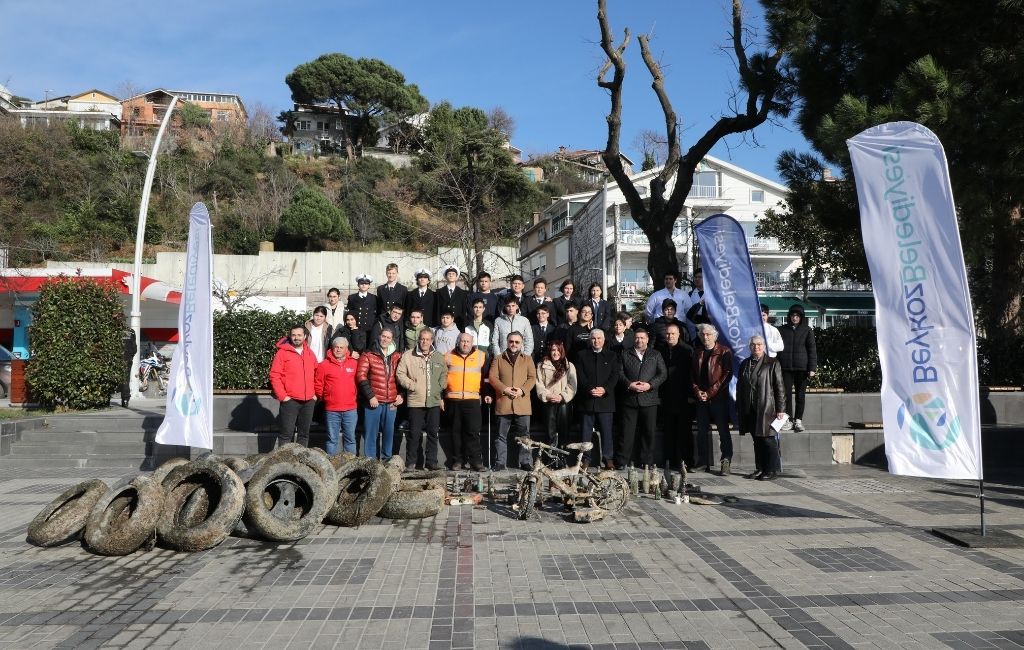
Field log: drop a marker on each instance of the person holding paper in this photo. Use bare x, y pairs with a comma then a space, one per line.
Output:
760, 402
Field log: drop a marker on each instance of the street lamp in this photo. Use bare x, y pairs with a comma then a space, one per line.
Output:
140, 236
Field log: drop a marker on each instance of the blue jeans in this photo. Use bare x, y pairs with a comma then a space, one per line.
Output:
380, 419
344, 421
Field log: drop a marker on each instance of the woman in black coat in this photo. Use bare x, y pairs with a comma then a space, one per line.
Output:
602, 310
356, 337
799, 359
760, 397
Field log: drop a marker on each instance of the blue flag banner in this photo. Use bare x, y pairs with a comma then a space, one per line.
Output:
730, 292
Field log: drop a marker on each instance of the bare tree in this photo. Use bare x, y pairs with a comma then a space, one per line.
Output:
128, 88
653, 146
232, 295
767, 92
499, 120
262, 125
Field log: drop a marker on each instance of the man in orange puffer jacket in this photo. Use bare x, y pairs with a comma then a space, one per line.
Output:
292, 380
335, 385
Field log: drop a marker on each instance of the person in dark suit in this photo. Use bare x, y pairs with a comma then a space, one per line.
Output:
676, 398
543, 333
451, 297
391, 292
483, 292
597, 374
421, 297
668, 317
567, 298
621, 336
539, 297
363, 304
602, 310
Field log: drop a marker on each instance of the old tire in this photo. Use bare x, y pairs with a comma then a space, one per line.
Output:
419, 485
205, 500
413, 505
160, 473
425, 474
236, 464
284, 501
341, 458
318, 462
64, 518
125, 517
364, 486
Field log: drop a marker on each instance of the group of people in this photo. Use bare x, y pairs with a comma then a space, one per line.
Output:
421, 356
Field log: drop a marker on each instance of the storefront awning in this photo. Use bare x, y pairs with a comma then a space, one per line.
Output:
856, 304
31, 281
781, 304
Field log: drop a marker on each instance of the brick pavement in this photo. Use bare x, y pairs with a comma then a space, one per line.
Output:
838, 559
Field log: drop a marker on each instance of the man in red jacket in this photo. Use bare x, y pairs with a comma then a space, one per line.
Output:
335, 385
292, 380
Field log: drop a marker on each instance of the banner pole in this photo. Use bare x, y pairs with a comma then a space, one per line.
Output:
981, 500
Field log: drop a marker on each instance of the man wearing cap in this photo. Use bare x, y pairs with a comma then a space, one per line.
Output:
363, 304
421, 297
451, 297
391, 292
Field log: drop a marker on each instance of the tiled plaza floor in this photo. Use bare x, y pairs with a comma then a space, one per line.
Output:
839, 559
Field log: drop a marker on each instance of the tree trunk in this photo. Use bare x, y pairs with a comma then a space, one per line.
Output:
1003, 315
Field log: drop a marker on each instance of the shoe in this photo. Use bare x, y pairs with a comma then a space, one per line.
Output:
478, 467
410, 468
498, 467
768, 476
609, 464
435, 467
788, 426
798, 426
726, 467
754, 474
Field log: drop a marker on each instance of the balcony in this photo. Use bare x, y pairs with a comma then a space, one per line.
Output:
705, 192
782, 281
638, 238
758, 244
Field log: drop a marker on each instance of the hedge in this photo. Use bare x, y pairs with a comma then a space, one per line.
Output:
77, 344
244, 343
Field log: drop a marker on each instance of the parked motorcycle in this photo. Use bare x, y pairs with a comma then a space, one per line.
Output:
154, 368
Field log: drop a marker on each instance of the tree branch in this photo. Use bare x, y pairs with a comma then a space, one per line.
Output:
671, 119
611, 154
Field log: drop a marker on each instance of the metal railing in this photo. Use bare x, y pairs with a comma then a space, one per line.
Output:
705, 192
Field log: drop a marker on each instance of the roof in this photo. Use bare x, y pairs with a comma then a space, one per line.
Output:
182, 92
94, 90
579, 153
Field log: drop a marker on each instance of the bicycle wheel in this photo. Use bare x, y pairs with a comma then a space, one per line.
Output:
527, 496
611, 492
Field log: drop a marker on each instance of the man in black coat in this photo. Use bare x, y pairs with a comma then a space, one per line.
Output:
539, 297
799, 359
676, 401
391, 292
668, 317
391, 320
597, 373
363, 304
567, 298
451, 298
643, 372
421, 297
483, 292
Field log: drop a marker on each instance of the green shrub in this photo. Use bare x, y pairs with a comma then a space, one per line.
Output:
244, 343
848, 359
77, 350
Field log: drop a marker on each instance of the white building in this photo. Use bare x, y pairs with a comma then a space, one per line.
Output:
719, 187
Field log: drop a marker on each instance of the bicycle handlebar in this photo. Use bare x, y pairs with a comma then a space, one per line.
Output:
528, 442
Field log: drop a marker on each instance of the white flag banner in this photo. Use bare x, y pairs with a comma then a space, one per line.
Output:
189, 417
926, 338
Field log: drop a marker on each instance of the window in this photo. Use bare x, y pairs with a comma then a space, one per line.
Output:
757, 196
705, 185
562, 253
338, 125
323, 126
222, 116
303, 125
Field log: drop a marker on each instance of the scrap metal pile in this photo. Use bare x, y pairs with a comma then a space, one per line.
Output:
281, 496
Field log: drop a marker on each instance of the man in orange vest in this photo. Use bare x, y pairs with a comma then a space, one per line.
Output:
462, 402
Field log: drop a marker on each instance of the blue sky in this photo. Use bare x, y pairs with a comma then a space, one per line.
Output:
535, 59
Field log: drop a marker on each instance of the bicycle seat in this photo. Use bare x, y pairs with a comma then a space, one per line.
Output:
580, 446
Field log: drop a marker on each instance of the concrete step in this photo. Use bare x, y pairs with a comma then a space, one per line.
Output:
134, 461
